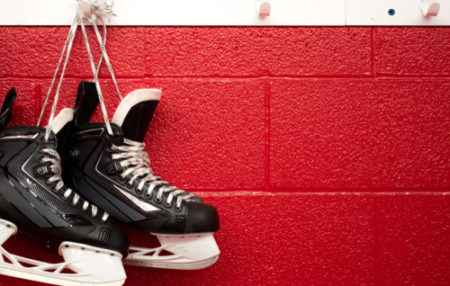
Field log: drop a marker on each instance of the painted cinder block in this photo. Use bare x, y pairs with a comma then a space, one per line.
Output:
339, 133
412, 52
33, 52
257, 51
28, 92
413, 239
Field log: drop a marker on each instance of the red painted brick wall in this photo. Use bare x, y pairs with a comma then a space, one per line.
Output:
326, 150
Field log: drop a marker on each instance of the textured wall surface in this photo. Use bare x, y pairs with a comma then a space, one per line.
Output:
326, 150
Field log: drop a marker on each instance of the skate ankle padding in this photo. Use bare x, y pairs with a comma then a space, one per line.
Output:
135, 112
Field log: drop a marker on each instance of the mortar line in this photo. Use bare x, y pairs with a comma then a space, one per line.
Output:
406, 76
267, 95
324, 194
376, 247
326, 189
275, 77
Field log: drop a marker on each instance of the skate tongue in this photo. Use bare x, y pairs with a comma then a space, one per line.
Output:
135, 112
87, 101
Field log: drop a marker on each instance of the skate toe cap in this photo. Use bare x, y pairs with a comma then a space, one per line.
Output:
201, 218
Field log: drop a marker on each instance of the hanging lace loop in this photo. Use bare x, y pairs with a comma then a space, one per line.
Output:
97, 84
101, 8
104, 54
95, 11
98, 7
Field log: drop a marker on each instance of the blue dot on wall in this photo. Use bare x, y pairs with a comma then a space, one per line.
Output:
391, 12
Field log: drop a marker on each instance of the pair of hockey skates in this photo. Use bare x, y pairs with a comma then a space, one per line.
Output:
111, 170
105, 164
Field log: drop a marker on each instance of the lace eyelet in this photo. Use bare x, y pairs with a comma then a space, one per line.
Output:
139, 192
178, 209
168, 205
129, 185
158, 200
148, 196
39, 171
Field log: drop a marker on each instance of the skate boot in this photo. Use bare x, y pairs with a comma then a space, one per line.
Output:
34, 199
114, 172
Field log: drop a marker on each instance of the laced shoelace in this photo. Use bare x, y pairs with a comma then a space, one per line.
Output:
99, 9
51, 156
134, 161
51, 164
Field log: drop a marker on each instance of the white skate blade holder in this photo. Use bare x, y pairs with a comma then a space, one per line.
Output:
83, 264
189, 252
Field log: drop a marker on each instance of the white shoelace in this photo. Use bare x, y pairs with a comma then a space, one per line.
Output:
99, 8
131, 156
133, 160
52, 158
93, 19
97, 84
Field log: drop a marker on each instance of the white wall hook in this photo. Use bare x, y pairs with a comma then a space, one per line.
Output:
430, 8
263, 8
100, 8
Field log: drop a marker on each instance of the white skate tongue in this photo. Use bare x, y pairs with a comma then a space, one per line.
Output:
63, 117
135, 112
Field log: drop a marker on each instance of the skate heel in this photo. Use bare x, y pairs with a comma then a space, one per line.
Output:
83, 264
189, 251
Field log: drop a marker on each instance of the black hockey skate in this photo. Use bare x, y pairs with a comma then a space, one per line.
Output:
34, 198
114, 172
